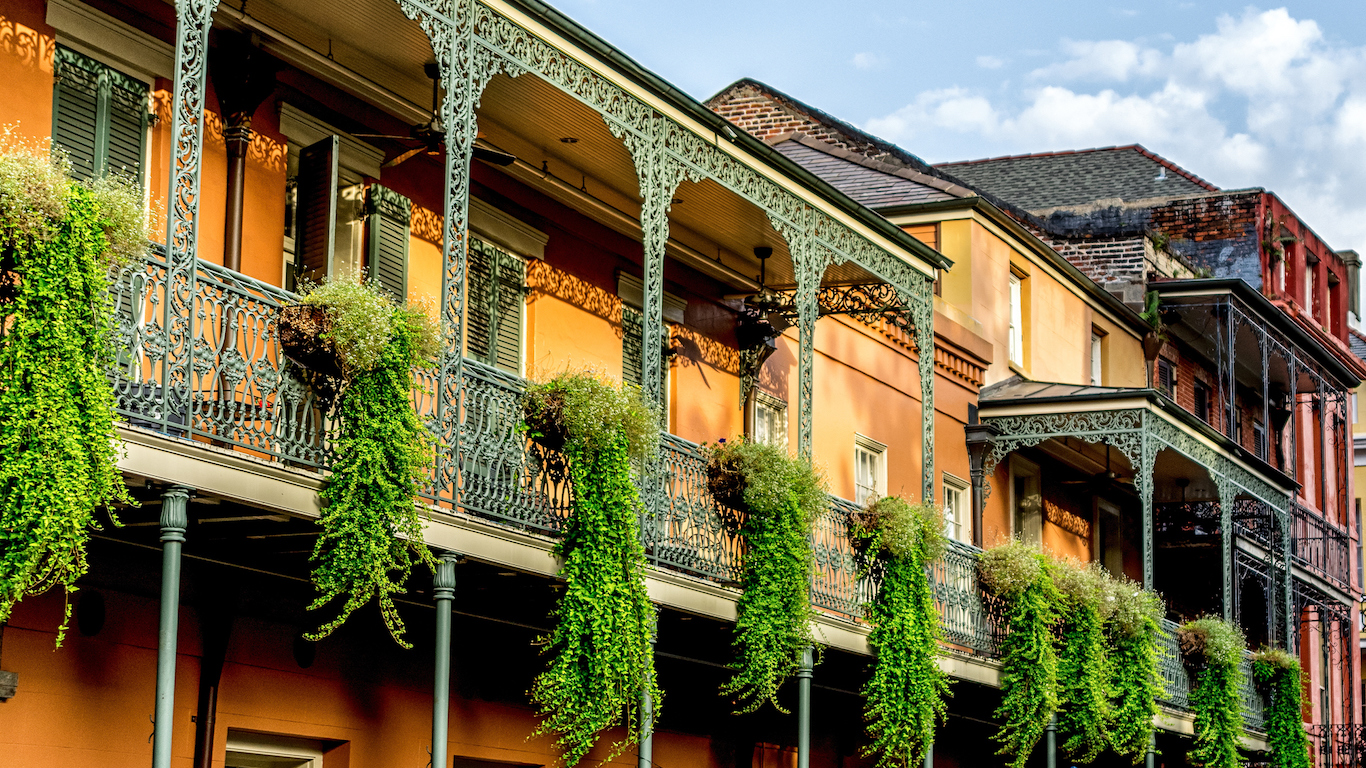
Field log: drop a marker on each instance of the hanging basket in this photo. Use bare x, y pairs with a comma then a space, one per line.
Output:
864, 527
545, 421
303, 331
727, 484
1193, 643
10, 279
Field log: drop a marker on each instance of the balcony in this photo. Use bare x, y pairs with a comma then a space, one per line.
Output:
238, 393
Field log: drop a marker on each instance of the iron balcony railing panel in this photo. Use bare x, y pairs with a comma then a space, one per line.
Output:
1175, 678
1337, 746
1321, 547
967, 615
138, 299
689, 535
837, 587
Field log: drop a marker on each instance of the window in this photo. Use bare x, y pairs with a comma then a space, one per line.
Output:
1166, 377
1259, 446
99, 116
1202, 401
1309, 268
1026, 502
769, 424
870, 470
957, 517
256, 750
1110, 537
1096, 361
1016, 321
495, 300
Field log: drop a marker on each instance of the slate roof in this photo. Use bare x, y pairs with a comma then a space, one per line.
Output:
874, 184
1019, 388
1054, 179
1357, 343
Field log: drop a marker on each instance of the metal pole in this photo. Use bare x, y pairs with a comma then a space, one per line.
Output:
1150, 758
929, 755
443, 589
804, 667
174, 518
1051, 741
646, 754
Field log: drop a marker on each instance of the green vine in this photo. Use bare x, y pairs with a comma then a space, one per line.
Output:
601, 659
783, 496
906, 693
1217, 695
1021, 576
59, 240
1280, 673
1084, 710
1136, 681
371, 528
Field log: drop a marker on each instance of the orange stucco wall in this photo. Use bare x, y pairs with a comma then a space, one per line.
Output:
26, 47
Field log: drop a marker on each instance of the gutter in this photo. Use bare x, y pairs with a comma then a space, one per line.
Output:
988, 209
721, 127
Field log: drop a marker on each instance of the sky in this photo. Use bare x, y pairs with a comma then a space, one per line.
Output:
1269, 96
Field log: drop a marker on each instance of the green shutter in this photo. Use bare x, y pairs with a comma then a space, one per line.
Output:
632, 353
316, 209
495, 290
387, 229
511, 302
479, 266
99, 116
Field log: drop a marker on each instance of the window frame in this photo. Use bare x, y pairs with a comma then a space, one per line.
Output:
1201, 390
764, 400
1097, 357
877, 453
1015, 324
1024, 468
961, 520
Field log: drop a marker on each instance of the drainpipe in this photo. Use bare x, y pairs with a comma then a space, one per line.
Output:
174, 518
804, 667
215, 627
979, 439
443, 589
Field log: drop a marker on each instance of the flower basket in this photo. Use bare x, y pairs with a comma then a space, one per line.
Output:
545, 423
304, 332
727, 484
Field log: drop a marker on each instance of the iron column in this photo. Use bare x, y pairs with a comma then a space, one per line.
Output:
646, 753
1051, 741
443, 589
804, 666
174, 518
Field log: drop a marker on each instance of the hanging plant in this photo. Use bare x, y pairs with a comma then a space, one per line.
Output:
59, 241
600, 655
1021, 577
371, 528
895, 541
781, 498
1136, 683
1279, 672
1216, 649
1084, 712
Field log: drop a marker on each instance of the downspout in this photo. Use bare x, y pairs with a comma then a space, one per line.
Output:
215, 629
243, 78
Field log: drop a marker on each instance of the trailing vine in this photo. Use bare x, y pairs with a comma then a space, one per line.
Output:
1286, 740
1216, 699
1022, 577
600, 654
1084, 710
59, 241
782, 497
1136, 681
895, 541
371, 528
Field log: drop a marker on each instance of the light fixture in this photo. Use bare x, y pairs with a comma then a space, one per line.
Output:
507, 573
676, 200
568, 140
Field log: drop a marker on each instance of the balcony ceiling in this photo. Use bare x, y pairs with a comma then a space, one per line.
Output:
528, 117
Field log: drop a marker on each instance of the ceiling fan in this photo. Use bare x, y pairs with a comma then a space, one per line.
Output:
768, 305
1102, 479
430, 138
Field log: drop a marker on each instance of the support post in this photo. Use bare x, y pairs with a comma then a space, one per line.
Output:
929, 756
805, 665
1150, 757
979, 439
174, 518
443, 591
1144, 481
1051, 742
1227, 493
646, 754
920, 301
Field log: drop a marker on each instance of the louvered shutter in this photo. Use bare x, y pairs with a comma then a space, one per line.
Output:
632, 353
479, 293
511, 301
99, 116
387, 230
316, 208
76, 110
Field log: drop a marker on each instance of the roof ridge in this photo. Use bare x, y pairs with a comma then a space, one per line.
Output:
888, 169
1139, 148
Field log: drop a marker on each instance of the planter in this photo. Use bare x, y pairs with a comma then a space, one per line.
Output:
727, 485
302, 330
545, 426
1193, 644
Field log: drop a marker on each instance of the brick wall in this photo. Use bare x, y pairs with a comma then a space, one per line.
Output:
767, 116
1217, 233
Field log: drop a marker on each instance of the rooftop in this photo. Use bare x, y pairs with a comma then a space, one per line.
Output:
873, 183
1053, 179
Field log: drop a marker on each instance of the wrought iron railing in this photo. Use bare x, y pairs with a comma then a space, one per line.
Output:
1321, 547
242, 394
1177, 678
1337, 746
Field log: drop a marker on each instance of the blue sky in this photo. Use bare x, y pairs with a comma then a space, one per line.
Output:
1242, 95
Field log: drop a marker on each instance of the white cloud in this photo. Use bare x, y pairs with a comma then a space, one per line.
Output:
990, 62
866, 60
1264, 100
